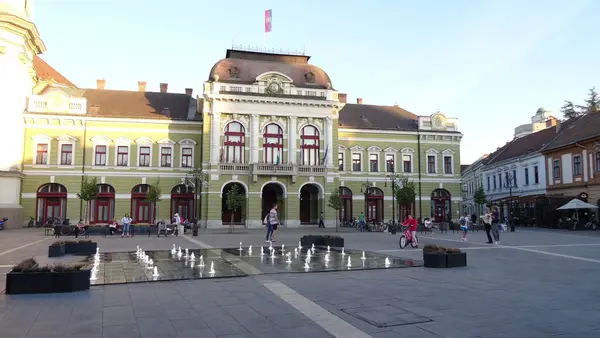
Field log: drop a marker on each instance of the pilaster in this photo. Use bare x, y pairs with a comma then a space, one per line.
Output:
215, 137
292, 131
329, 136
254, 135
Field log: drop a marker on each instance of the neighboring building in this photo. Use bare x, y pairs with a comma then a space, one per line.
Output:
472, 179
572, 161
514, 175
271, 124
541, 120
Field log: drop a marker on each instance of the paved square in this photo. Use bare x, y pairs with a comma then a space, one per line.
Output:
386, 315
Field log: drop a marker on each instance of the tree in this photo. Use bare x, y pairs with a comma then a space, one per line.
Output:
154, 196
87, 194
592, 103
569, 110
196, 179
480, 199
234, 200
335, 202
405, 194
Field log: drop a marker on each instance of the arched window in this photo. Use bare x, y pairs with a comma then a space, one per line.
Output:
309, 146
272, 144
235, 138
51, 202
182, 201
103, 206
141, 208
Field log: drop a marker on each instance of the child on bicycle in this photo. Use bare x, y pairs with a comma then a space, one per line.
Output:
411, 223
464, 226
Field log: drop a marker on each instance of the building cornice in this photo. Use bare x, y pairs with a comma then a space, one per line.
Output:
27, 29
110, 119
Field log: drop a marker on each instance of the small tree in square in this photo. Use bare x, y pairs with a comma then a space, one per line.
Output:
234, 200
479, 199
405, 194
335, 202
87, 194
154, 197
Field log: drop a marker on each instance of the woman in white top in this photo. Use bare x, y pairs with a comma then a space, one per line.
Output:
177, 220
126, 221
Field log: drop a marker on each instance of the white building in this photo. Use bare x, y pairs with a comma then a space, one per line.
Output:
541, 120
472, 178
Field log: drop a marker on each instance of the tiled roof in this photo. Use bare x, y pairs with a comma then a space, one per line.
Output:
365, 116
135, 104
576, 130
45, 72
524, 145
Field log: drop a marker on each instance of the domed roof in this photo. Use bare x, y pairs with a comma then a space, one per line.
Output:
245, 67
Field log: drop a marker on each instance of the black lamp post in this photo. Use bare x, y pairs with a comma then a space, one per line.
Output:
510, 182
393, 177
365, 188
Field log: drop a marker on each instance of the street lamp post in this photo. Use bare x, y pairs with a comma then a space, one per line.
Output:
510, 180
365, 188
393, 177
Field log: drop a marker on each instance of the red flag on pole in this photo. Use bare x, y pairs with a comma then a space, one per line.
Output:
268, 19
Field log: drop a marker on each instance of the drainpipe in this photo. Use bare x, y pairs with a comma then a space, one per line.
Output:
419, 168
83, 165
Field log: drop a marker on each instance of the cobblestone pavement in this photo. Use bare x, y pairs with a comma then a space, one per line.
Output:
536, 283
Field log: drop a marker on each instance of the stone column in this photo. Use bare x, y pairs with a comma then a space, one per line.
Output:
329, 136
215, 138
292, 140
254, 135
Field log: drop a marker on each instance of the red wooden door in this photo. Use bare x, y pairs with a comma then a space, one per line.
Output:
439, 211
51, 208
143, 212
102, 211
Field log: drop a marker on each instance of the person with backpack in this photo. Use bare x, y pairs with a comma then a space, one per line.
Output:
464, 226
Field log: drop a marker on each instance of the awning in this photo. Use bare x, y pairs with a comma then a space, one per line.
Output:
529, 198
506, 199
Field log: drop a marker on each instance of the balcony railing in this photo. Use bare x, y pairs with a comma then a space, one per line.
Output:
273, 169
41, 104
234, 167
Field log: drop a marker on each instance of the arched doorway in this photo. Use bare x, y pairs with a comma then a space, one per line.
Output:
102, 209
374, 201
346, 210
441, 206
182, 201
272, 193
309, 204
141, 208
238, 215
51, 202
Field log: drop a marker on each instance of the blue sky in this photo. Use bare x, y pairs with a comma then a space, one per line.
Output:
490, 63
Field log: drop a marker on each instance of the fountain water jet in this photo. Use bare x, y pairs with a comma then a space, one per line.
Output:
349, 262
363, 256
387, 262
201, 264
262, 251
212, 268
155, 274
328, 249
289, 258
343, 253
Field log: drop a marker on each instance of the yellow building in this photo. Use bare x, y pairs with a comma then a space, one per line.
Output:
271, 124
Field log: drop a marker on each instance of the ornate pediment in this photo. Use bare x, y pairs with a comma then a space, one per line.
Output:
123, 141
357, 148
407, 150
57, 101
66, 138
438, 120
227, 118
448, 152
144, 140
374, 148
187, 141
166, 141
431, 151
100, 139
390, 150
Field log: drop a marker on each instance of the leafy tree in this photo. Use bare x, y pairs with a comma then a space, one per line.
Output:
569, 110
196, 178
234, 200
592, 103
154, 196
335, 202
87, 194
480, 199
405, 193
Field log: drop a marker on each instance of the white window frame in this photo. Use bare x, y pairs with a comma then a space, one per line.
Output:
434, 153
394, 153
100, 141
410, 152
144, 142
63, 140
123, 142
166, 143
41, 139
357, 150
187, 143
374, 150
448, 153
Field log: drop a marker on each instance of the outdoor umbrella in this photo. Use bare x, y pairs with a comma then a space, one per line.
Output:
576, 204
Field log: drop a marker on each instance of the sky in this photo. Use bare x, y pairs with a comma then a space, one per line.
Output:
491, 64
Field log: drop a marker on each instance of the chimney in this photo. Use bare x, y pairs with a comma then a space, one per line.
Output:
558, 126
100, 83
163, 87
342, 97
551, 122
396, 104
359, 100
189, 91
141, 86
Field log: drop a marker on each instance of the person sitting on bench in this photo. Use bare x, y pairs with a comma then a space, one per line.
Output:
113, 226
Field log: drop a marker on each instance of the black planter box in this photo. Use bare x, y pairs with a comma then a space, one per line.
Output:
47, 282
84, 249
71, 248
456, 260
434, 260
332, 241
56, 250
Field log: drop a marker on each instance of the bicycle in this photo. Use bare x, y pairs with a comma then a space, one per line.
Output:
407, 238
591, 225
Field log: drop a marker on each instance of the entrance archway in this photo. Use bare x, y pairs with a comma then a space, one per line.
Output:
374, 201
141, 208
441, 206
102, 209
272, 193
51, 202
182, 201
309, 204
346, 210
239, 216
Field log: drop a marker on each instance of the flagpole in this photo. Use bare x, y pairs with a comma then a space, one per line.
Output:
265, 41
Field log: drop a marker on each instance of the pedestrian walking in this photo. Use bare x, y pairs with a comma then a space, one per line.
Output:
321, 223
496, 225
487, 224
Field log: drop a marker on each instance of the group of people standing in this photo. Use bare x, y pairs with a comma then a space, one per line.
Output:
491, 223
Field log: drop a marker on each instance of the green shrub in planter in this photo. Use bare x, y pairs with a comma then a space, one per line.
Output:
28, 277
435, 256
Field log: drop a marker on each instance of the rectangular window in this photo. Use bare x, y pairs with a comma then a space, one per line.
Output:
41, 155
311, 93
389, 163
235, 89
186, 157
341, 161
598, 161
577, 165
407, 163
447, 164
556, 169
495, 182
514, 178
488, 183
144, 157
431, 164
536, 175
356, 165
500, 181
66, 154
166, 153
526, 176
122, 156
373, 163
100, 155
